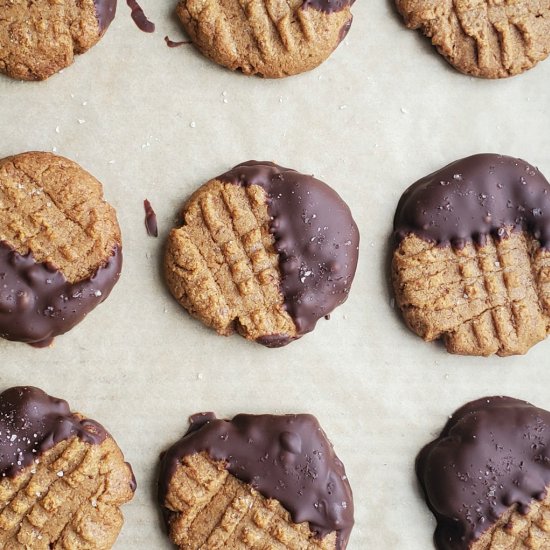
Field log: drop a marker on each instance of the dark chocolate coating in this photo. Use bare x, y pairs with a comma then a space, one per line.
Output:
287, 458
37, 303
32, 422
150, 220
474, 197
105, 11
327, 6
315, 237
139, 17
492, 454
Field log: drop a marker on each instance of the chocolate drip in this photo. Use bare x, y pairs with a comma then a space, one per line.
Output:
139, 17
150, 219
172, 44
287, 458
328, 6
475, 197
492, 454
105, 12
315, 237
32, 422
37, 303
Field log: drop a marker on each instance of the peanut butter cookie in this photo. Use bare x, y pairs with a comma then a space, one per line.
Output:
264, 250
486, 477
255, 482
485, 38
39, 38
63, 476
60, 246
272, 38
471, 260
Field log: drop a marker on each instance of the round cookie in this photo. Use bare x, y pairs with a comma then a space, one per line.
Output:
256, 481
471, 260
264, 250
40, 38
60, 246
486, 477
271, 39
484, 38
63, 477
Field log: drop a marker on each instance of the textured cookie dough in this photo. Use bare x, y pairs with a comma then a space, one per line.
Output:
40, 38
273, 38
263, 250
485, 38
486, 477
259, 485
63, 476
60, 246
471, 263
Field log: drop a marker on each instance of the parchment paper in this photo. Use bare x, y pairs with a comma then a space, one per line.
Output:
382, 112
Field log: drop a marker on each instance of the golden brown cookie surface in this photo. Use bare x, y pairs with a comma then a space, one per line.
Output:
265, 482
471, 263
39, 38
484, 38
60, 246
271, 38
486, 477
63, 476
263, 250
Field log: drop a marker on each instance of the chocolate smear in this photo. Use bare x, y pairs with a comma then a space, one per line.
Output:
492, 454
287, 458
172, 44
105, 12
473, 198
32, 422
139, 17
150, 220
315, 236
37, 303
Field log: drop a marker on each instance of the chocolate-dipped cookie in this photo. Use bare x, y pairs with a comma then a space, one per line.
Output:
264, 250
60, 246
260, 481
484, 38
63, 477
270, 39
486, 477
471, 260
39, 38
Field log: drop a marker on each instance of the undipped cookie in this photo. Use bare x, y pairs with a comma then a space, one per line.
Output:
271, 38
486, 477
60, 247
63, 477
260, 481
264, 250
471, 260
39, 38
485, 38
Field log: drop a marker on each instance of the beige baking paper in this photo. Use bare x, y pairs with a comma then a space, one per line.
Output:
153, 122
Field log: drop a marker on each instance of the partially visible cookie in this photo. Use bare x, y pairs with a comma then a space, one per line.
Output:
39, 38
63, 477
484, 38
255, 482
272, 38
471, 260
264, 250
486, 477
60, 246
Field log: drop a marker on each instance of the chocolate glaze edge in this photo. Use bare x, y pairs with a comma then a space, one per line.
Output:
316, 239
105, 12
474, 197
264, 451
327, 6
33, 422
493, 453
37, 303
